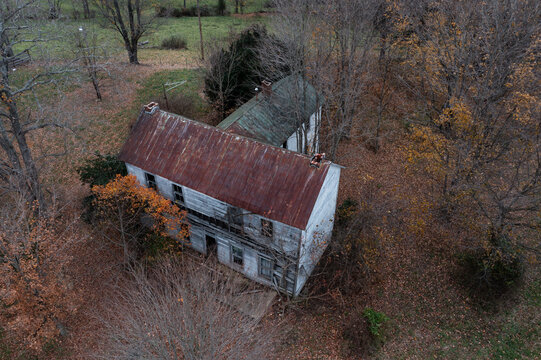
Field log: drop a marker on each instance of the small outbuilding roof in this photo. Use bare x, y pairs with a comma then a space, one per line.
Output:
273, 117
273, 182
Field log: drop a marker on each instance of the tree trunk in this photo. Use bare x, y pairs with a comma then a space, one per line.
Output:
236, 6
132, 53
29, 175
95, 82
200, 31
86, 9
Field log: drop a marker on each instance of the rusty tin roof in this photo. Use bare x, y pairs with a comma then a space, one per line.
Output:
273, 182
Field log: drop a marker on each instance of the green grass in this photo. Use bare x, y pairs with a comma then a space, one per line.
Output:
61, 32
152, 87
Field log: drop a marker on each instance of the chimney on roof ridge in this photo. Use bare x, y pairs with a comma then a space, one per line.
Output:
317, 159
151, 108
266, 87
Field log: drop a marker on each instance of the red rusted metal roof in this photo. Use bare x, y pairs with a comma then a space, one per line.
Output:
270, 181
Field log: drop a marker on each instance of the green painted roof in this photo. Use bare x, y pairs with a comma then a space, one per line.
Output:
273, 118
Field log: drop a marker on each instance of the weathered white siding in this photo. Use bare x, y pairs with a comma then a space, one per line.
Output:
311, 134
284, 242
319, 230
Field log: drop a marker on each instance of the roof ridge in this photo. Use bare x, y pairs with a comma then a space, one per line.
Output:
235, 135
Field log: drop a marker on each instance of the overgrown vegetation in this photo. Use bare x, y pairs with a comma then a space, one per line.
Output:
233, 74
494, 269
174, 42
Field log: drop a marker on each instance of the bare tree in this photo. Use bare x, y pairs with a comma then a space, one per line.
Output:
329, 44
220, 70
92, 55
183, 311
86, 9
54, 9
18, 167
473, 65
130, 19
200, 31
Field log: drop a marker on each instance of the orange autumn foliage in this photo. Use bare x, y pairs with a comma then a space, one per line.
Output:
127, 211
36, 292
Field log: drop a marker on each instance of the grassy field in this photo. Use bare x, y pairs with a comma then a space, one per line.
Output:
215, 28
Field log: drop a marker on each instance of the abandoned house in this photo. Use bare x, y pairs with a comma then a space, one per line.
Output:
285, 114
262, 210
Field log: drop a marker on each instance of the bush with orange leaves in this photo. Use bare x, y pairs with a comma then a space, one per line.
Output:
36, 289
135, 218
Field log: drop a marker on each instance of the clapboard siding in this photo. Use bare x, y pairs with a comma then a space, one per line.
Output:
285, 238
318, 233
289, 247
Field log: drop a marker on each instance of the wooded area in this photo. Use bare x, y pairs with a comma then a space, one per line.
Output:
432, 106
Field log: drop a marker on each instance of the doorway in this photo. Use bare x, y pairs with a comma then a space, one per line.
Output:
212, 246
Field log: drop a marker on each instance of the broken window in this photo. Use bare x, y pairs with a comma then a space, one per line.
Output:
265, 268
266, 228
151, 181
235, 217
285, 281
178, 195
237, 255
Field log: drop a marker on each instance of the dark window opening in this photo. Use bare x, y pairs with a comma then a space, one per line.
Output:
151, 181
235, 217
266, 228
284, 145
212, 245
237, 255
178, 195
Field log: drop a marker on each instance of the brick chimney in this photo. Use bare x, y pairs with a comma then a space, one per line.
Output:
266, 87
151, 107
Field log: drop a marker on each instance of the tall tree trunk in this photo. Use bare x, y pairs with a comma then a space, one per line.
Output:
29, 174
236, 6
200, 31
132, 54
86, 9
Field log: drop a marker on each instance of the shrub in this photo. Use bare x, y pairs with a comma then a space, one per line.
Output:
174, 42
269, 4
176, 12
98, 170
364, 332
346, 210
375, 321
221, 7
492, 269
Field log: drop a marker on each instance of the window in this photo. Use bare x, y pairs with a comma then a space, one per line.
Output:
151, 181
266, 228
284, 145
265, 268
284, 281
235, 217
178, 196
237, 255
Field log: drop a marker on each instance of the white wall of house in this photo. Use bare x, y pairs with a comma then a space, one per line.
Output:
284, 242
318, 232
311, 134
